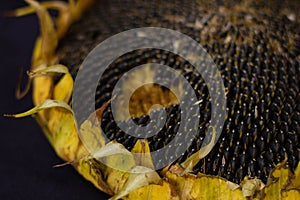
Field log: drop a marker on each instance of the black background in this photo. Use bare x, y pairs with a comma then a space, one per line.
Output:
27, 158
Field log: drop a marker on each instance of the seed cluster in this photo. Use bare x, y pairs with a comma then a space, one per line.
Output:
257, 51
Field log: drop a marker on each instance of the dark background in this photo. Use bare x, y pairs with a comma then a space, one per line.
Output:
27, 158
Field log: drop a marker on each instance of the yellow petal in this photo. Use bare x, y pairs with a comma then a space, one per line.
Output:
90, 171
191, 161
139, 177
57, 5
202, 186
44, 70
279, 178
252, 187
295, 182
164, 191
117, 171
48, 32
91, 136
64, 132
141, 152
63, 89
45, 105
42, 89
293, 194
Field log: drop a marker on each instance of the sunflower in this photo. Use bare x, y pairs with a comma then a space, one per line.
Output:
256, 48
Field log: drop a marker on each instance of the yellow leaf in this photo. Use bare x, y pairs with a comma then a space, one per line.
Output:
42, 89
91, 136
41, 70
90, 170
44, 70
110, 150
202, 186
78, 7
118, 168
295, 182
48, 32
191, 161
293, 194
64, 133
63, 89
164, 191
251, 187
73, 13
45, 105
115, 179
141, 152
139, 177
60, 129
279, 177
120, 161
59, 5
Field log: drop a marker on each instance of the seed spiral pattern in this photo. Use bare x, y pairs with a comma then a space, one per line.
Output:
257, 51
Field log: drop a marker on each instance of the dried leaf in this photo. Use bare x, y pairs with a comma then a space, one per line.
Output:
251, 187
119, 158
44, 53
191, 161
111, 149
40, 71
45, 105
42, 89
203, 186
20, 94
91, 173
63, 128
139, 177
44, 70
279, 178
141, 152
293, 194
294, 183
117, 171
63, 89
56, 5
91, 136
49, 40
164, 191
78, 7
60, 129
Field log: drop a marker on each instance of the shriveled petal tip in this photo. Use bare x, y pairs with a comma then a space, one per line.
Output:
295, 180
63, 89
57, 5
139, 177
110, 149
45, 105
190, 163
292, 194
78, 7
21, 93
48, 33
43, 70
279, 180
141, 152
152, 191
91, 136
203, 186
252, 188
